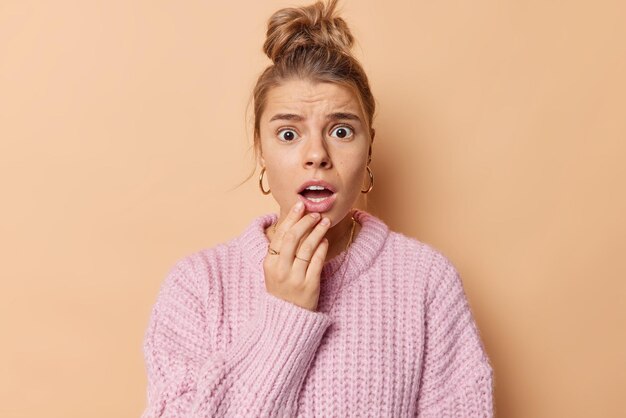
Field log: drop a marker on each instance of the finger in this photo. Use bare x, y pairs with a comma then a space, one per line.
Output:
292, 238
295, 214
314, 269
309, 246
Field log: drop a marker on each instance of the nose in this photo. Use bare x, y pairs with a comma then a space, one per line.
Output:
316, 154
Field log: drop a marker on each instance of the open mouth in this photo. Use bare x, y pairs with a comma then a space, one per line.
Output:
316, 193
318, 196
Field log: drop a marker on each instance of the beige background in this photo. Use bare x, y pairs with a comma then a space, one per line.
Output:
500, 140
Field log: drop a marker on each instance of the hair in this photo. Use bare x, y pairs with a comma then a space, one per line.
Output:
311, 43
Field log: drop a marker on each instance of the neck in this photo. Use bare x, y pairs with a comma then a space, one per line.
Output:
339, 236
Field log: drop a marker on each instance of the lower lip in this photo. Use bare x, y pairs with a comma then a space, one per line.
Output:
322, 206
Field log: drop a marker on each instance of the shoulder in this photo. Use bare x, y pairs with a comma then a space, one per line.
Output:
397, 249
423, 259
188, 276
418, 251
443, 276
206, 260
204, 266
444, 292
407, 258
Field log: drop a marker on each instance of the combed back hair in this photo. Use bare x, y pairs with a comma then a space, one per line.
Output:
310, 43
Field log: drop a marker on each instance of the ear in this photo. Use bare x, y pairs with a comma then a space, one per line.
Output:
259, 153
369, 153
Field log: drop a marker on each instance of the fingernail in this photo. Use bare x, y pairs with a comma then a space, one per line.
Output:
325, 222
315, 215
298, 206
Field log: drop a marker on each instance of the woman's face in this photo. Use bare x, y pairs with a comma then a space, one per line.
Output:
314, 132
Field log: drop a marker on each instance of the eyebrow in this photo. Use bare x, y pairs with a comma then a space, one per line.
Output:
332, 116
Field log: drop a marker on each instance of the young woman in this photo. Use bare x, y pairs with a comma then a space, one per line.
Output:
319, 310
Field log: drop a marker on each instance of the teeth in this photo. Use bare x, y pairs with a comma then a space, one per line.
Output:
318, 199
315, 188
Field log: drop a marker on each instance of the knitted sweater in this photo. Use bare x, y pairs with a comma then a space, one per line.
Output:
393, 335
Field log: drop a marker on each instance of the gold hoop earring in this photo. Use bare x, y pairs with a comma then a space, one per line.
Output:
371, 180
261, 183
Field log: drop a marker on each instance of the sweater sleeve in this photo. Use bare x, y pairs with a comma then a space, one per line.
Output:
260, 373
457, 376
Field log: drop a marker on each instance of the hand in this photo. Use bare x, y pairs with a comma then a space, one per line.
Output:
295, 279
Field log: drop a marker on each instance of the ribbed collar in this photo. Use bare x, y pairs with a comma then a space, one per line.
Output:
360, 255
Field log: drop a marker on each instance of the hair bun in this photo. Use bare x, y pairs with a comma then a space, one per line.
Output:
308, 26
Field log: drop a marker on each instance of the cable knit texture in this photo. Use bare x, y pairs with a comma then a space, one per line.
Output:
393, 335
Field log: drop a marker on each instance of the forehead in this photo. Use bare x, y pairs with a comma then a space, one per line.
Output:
309, 96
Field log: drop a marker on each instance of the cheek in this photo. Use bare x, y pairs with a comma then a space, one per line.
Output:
281, 174
351, 179
352, 172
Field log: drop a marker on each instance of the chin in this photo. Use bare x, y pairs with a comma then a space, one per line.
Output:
337, 215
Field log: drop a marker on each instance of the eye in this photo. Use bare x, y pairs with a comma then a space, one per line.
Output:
343, 132
287, 135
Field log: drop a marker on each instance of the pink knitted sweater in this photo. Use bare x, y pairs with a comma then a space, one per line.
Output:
393, 335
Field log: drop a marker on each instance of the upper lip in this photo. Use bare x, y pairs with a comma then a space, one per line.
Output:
322, 183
